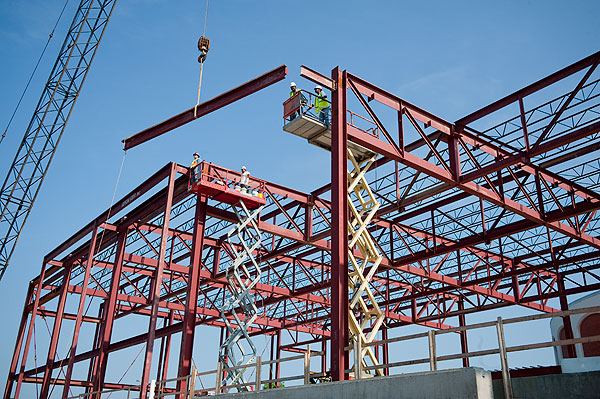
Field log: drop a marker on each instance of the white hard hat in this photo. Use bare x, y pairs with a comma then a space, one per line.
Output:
318, 87
243, 167
293, 84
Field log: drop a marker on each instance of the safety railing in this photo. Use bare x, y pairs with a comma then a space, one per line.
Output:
433, 359
211, 173
303, 102
361, 123
195, 387
120, 393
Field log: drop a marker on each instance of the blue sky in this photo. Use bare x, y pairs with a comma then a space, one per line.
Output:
449, 57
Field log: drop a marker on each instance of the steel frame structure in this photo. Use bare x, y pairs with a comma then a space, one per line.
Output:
475, 215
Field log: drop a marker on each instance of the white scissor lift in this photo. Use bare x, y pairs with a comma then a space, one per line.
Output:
364, 312
239, 310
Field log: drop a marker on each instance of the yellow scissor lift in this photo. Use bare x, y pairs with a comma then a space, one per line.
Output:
364, 312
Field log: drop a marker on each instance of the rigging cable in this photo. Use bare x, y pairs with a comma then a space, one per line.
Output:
203, 46
34, 70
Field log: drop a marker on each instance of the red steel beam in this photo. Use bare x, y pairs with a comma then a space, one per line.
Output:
532, 88
207, 107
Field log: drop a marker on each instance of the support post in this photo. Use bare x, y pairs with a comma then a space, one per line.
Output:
278, 365
81, 310
307, 366
568, 327
15, 359
508, 394
432, 350
464, 346
109, 309
258, 376
157, 283
386, 355
192, 382
339, 227
189, 318
60, 310
152, 389
219, 376
36, 303
357, 359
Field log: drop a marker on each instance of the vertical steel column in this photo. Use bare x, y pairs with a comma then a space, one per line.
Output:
80, 311
18, 345
324, 357
386, 354
464, 347
36, 303
189, 318
167, 351
60, 310
564, 306
109, 308
278, 356
93, 366
157, 283
339, 228
271, 356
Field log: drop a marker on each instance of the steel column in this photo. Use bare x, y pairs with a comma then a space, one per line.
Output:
156, 285
339, 229
56, 331
109, 309
189, 320
38, 294
18, 345
80, 312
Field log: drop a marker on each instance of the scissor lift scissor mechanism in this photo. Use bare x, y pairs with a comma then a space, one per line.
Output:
365, 315
242, 274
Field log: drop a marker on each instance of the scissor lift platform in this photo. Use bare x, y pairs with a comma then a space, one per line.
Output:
223, 185
318, 134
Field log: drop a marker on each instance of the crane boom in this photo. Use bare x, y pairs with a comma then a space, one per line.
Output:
50, 117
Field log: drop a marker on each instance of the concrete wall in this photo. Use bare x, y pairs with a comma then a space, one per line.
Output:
467, 383
564, 386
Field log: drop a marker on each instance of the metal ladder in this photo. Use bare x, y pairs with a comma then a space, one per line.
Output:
238, 350
364, 313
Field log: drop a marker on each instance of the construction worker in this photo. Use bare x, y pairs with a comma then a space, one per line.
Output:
322, 106
194, 168
244, 178
293, 92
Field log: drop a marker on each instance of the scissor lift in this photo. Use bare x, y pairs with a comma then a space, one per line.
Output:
365, 316
243, 273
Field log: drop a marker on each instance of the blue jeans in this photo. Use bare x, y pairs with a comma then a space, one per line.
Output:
324, 116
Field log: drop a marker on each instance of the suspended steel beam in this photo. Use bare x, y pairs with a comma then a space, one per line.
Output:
207, 107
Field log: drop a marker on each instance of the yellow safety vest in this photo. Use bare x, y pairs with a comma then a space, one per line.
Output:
195, 163
292, 93
321, 102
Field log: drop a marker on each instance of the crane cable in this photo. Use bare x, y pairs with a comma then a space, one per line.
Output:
34, 70
201, 59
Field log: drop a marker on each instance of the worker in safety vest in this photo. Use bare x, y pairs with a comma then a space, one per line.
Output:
322, 106
293, 92
194, 170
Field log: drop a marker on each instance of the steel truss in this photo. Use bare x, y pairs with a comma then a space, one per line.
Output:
475, 215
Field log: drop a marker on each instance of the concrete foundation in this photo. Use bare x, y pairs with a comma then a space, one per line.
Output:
467, 383
564, 386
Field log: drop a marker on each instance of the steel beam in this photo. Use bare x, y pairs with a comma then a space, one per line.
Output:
207, 107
